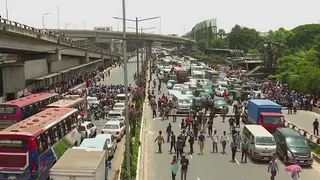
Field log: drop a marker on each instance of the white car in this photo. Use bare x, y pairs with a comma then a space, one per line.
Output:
88, 130
220, 90
178, 87
188, 93
92, 101
111, 141
170, 84
115, 116
115, 128
119, 107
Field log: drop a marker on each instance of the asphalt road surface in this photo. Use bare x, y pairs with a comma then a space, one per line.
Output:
211, 165
117, 77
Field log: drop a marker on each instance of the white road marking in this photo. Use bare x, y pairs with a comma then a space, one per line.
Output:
237, 162
190, 156
198, 178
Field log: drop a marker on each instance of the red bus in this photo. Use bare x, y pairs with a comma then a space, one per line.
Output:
16, 110
30, 148
72, 102
181, 73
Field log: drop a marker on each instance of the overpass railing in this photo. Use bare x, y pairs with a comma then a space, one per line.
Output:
60, 38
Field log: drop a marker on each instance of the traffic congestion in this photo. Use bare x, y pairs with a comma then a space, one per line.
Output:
207, 121
40, 132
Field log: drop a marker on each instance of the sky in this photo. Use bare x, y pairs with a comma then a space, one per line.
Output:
177, 16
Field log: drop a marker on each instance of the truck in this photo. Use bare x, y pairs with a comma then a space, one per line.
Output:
265, 113
80, 164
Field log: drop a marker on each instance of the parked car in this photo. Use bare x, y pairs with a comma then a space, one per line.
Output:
88, 130
116, 128
112, 143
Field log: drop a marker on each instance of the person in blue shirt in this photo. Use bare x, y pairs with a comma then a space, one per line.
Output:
201, 140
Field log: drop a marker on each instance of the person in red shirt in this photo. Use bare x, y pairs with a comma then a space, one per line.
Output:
225, 93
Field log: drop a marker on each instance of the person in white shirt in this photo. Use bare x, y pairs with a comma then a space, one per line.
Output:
224, 140
215, 140
174, 114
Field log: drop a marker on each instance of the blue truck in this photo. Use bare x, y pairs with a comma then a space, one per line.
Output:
265, 113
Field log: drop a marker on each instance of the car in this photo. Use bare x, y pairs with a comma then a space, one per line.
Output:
115, 128
178, 87
219, 104
88, 130
188, 93
119, 107
184, 104
170, 83
111, 141
115, 116
220, 90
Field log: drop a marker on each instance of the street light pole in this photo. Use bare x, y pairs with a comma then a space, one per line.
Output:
7, 12
43, 15
137, 32
125, 68
66, 25
58, 17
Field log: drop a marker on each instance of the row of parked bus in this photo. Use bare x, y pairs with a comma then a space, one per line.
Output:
36, 130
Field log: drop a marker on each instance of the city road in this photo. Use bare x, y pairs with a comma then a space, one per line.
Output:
210, 165
117, 77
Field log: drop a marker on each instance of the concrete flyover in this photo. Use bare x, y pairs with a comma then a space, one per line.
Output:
73, 33
16, 38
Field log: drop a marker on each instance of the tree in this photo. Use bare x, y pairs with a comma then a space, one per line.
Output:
219, 43
221, 33
202, 44
210, 35
243, 38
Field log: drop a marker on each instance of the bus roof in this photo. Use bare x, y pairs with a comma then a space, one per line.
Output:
24, 101
177, 68
63, 103
39, 122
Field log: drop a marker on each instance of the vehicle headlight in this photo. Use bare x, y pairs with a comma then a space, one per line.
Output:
311, 155
289, 154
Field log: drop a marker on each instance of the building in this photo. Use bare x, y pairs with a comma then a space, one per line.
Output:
203, 29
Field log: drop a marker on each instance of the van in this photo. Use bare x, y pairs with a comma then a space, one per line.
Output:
292, 147
94, 143
262, 145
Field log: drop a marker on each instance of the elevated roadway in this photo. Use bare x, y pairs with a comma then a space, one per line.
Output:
74, 33
16, 38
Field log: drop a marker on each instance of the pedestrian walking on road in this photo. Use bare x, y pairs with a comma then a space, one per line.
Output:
316, 127
224, 140
215, 140
233, 146
173, 143
174, 166
174, 114
244, 149
184, 167
191, 142
169, 132
160, 140
273, 168
201, 140
179, 146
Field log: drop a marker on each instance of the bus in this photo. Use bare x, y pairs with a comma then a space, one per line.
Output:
181, 73
30, 148
16, 110
72, 102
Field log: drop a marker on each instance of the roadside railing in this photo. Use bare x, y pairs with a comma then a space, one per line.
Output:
60, 38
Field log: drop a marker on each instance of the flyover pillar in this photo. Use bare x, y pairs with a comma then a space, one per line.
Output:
86, 58
52, 58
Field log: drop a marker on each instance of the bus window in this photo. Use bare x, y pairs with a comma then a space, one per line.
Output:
69, 124
65, 126
55, 134
40, 144
48, 138
52, 136
60, 133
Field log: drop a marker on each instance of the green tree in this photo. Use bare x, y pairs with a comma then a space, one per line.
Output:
221, 33
210, 35
219, 43
201, 44
243, 38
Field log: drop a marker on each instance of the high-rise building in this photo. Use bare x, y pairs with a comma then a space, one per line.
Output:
203, 30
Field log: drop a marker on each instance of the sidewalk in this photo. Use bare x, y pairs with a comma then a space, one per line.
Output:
83, 85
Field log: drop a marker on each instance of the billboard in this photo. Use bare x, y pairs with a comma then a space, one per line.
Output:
103, 28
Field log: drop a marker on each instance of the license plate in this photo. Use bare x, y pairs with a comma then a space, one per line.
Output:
301, 161
265, 158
